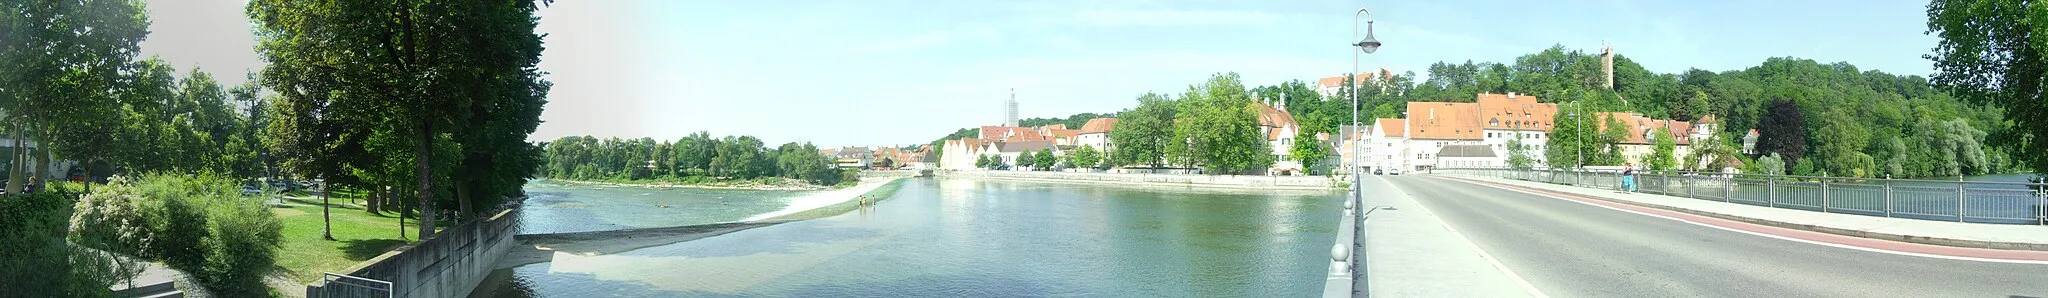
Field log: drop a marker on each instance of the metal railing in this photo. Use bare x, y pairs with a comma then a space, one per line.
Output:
340, 285
1944, 200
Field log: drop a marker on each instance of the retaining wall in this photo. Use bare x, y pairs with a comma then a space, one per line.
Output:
1243, 181
449, 264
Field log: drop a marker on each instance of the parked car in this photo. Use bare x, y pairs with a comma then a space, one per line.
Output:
1393, 171
251, 190
1379, 171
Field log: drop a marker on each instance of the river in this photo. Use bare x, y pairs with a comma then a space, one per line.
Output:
951, 238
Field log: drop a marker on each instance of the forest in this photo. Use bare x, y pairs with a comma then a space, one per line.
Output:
695, 159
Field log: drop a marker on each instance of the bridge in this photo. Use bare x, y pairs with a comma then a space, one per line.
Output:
1531, 233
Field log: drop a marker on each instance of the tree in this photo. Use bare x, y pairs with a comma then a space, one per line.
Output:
1087, 157
1952, 147
1045, 159
1567, 140
1518, 154
1770, 164
1024, 160
1221, 127
1607, 143
420, 71
1661, 154
1142, 133
1989, 53
981, 162
60, 62
1308, 150
1783, 131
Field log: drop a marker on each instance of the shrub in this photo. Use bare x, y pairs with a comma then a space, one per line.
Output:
38, 262
241, 245
849, 177
201, 225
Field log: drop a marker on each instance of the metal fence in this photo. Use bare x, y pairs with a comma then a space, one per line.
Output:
1957, 200
339, 285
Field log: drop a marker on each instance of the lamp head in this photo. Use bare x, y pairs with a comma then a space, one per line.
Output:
1370, 44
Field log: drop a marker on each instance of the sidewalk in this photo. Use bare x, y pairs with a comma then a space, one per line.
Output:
1410, 253
1977, 235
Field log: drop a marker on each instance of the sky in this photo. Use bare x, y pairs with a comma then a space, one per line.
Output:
866, 73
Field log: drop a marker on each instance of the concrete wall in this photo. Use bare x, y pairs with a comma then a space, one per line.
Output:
1247, 181
449, 264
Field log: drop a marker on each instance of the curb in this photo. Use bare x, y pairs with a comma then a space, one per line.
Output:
1796, 226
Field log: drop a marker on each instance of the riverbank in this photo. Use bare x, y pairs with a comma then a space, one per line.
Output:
788, 184
1180, 180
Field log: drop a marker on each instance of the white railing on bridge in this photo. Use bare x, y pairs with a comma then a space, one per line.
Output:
1944, 200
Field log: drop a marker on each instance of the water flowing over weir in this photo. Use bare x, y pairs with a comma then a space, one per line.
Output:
957, 237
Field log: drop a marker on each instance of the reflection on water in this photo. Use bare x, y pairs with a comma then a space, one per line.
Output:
557, 208
967, 238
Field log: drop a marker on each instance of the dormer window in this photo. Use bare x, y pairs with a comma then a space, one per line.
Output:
1493, 123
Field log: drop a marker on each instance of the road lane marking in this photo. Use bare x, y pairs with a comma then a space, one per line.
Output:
1468, 243
1813, 242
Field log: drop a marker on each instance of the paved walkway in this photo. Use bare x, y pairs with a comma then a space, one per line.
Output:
1411, 253
1999, 236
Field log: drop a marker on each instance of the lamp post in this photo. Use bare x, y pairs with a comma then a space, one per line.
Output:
1367, 45
1357, 200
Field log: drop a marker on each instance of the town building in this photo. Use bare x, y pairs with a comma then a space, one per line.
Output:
1328, 87
1468, 156
1095, 133
1510, 117
853, 157
961, 154
1009, 151
1279, 129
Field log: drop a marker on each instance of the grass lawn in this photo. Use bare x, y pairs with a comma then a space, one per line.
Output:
358, 236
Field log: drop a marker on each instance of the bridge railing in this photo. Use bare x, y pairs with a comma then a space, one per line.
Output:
1958, 200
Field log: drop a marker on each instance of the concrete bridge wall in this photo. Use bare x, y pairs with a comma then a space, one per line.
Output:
449, 264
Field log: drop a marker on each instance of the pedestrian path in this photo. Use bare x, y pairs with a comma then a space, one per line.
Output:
1411, 253
1980, 235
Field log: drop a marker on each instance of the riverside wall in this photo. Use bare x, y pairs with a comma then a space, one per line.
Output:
448, 264
1231, 181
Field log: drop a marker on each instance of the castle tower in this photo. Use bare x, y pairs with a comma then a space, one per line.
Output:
1607, 64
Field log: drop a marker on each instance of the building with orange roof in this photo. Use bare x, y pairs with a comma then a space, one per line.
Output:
1095, 133
1511, 116
1328, 87
1279, 129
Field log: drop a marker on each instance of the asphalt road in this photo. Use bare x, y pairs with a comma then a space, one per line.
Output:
1570, 249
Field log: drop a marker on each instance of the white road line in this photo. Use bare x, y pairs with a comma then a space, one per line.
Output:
1475, 247
1868, 249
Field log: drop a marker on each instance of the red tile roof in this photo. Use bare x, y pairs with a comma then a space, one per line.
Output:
1394, 127
1444, 120
1515, 112
1639, 125
1098, 125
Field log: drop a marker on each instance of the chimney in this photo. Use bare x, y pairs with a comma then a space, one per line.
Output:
1283, 102
1511, 95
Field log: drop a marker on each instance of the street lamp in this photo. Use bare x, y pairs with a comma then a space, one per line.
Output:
1367, 45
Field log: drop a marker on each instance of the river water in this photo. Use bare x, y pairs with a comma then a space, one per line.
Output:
560, 207
958, 238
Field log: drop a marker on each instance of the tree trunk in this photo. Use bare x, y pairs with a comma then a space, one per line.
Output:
326, 217
403, 211
43, 166
14, 159
370, 198
462, 199
422, 149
